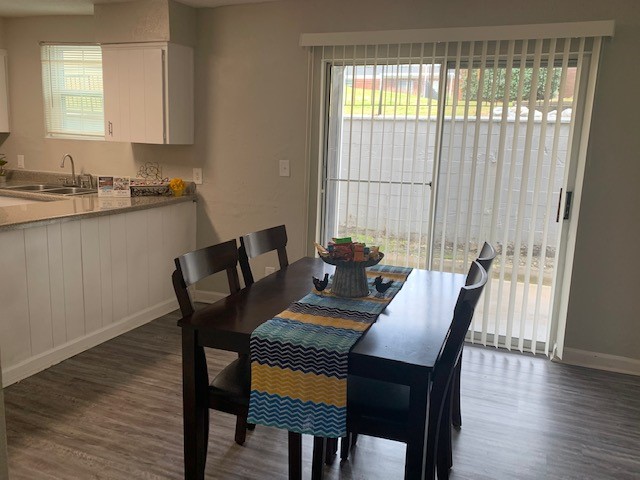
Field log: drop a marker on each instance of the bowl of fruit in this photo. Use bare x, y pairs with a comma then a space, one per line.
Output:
350, 259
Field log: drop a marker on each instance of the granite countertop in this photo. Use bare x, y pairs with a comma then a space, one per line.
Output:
51, 208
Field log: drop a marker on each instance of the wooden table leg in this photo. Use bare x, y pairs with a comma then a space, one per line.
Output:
416, 441
331, 450
317, 465
295, 456
195, 407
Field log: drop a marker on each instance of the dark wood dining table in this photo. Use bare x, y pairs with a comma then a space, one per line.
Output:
401, 347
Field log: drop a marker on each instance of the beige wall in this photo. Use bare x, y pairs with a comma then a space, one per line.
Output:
139, 21
251, 90
145, 21
251, 79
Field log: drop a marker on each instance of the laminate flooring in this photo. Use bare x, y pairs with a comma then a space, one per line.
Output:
114, 412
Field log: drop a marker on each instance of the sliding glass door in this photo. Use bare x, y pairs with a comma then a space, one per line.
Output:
433, 149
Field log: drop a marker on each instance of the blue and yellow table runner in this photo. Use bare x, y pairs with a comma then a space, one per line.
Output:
299, 359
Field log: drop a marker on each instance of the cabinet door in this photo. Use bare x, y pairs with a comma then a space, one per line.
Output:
115, 79
4, 93
147, 95
134, 100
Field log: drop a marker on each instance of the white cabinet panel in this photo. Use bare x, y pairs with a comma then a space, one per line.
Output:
4, 93
119, 278
37, 258
115, 80
106, 281
137, 260
151, 89
72, 271
134, 58
157, 257
14, 321
56, 284
177, 226
170, 244
91, 279
148, 93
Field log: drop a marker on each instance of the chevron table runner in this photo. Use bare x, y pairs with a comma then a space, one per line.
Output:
299, 359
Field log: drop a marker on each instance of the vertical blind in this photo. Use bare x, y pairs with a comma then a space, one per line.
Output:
429, 149
72, 90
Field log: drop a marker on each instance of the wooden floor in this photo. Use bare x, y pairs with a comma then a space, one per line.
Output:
114, 412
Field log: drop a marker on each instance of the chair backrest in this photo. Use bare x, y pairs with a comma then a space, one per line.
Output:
194, 266
462, 315
257, 243
486, 256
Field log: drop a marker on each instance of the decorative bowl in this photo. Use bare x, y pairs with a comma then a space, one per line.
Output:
350, 263
350, 279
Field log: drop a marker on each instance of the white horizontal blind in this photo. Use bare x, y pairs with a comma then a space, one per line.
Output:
72, 90
491, 125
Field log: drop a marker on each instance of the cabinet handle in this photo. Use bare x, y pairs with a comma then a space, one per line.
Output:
110, 129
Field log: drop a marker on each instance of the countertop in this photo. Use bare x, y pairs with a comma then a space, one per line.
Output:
56, 207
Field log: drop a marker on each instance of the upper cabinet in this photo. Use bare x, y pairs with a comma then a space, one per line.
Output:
4, 93
148, 93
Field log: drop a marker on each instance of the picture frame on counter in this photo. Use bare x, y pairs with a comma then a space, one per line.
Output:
112, 186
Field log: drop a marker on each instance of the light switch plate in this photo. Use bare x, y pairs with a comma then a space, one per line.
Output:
284, 168
197, 176
20, 161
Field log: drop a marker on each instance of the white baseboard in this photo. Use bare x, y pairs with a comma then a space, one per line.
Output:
601, 361
40, 362
206, 296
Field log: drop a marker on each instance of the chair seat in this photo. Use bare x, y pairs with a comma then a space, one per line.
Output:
371, 397
234, 381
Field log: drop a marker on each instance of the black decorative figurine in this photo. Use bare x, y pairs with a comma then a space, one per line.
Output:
381, 287
321, 284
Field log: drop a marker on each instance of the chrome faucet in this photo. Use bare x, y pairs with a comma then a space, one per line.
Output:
73, 167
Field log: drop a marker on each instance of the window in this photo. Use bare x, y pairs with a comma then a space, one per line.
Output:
72, 90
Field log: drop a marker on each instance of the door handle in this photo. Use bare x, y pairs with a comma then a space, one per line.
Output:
567, 206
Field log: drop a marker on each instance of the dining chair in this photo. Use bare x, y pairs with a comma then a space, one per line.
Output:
381, 409
485, 258
229, 391
257, 243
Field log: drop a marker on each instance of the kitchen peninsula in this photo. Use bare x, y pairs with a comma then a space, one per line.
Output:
80, 270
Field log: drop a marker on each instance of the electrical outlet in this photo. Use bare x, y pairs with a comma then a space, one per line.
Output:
269, 270
197, 176
284, 168
20, 161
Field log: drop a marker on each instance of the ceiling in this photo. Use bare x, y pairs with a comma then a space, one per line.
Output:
27, 8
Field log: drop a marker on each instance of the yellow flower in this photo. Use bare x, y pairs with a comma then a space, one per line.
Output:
176, 184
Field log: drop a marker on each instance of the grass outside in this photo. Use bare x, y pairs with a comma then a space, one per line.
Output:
367, 102
412, 251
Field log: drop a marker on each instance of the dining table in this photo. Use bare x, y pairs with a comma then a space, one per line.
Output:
401, 347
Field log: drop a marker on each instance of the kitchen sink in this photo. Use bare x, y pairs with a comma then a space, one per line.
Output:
51, 189
32, 188
70, 191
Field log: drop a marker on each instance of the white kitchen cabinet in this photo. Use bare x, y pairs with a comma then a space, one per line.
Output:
4, 93
148, 93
